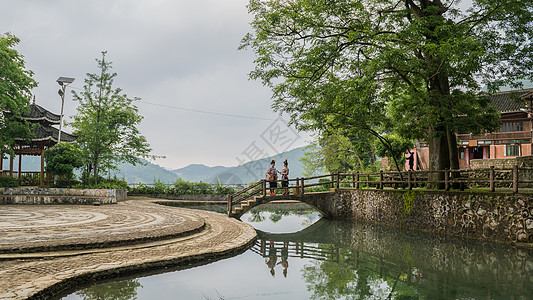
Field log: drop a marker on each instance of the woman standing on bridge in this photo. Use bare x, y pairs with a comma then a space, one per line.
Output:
285, 177
272, 177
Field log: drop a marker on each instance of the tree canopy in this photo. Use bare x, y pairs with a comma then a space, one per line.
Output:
16, 83
62, 159
413, 67
106, 123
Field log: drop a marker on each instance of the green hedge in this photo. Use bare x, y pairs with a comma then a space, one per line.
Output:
181, 187
8, 181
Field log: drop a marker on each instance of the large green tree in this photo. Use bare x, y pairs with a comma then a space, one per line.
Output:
16, 83
410, 66
106, 123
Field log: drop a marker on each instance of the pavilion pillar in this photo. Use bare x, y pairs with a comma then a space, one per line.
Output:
11, 165
20, 168
41, 178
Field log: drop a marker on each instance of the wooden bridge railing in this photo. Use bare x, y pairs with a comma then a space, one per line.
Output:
491, 179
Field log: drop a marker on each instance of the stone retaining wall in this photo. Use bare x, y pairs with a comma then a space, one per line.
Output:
495, 217
32, 195
502, 163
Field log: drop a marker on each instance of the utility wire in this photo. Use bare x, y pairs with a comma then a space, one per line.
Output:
207, 112
198, 110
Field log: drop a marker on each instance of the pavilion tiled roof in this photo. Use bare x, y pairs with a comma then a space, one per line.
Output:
45, 133
38, 114
50, 133
510, 101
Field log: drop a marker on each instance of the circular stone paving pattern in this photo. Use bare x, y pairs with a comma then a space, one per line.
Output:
49, 228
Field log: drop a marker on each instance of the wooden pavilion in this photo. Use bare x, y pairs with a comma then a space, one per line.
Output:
45, 136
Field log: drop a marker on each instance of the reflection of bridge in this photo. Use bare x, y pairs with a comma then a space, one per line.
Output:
322, 241
285, 250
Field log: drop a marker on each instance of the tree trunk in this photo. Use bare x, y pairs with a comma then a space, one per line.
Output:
454, 156
95, 169
438, 156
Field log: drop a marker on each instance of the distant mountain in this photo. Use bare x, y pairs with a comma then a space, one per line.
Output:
145, 174
249, 172
198, 172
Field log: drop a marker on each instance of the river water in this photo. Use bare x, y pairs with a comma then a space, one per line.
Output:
299, 255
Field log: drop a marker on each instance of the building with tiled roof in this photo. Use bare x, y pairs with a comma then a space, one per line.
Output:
513, 139
515, 134
44, 137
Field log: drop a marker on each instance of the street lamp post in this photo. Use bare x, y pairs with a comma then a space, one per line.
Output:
63, 82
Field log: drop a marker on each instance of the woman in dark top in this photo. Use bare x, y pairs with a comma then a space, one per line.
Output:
285, 177
272, 177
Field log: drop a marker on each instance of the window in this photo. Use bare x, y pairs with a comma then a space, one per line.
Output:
512, 126
512, 150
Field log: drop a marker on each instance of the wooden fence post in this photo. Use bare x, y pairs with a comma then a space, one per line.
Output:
380, 179
491, 179
338, 180
515, 179
357, 180
409, 186
264, 187
353, 180
303, 184
332, 181
297, 190
229, 204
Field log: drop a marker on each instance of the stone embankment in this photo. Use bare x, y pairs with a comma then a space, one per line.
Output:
45, 250
493, 217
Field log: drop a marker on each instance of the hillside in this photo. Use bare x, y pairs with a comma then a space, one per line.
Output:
248, 172
148, 173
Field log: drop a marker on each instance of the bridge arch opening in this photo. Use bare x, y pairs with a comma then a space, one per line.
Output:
281, 217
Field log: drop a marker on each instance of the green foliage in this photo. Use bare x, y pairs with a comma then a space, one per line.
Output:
339, 152
396, 152
8, 181
103, 183
106, 123
62, 159
405, 67
15, 92
181, 187
408, 201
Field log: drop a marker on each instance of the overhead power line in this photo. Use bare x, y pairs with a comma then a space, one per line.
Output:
198, 110
207, 112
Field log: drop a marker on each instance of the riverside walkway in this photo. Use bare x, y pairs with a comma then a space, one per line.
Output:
47, 249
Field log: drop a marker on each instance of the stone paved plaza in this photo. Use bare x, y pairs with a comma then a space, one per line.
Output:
45, 249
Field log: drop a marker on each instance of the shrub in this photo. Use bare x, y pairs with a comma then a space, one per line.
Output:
8, 181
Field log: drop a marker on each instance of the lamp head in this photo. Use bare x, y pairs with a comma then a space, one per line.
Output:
64, 80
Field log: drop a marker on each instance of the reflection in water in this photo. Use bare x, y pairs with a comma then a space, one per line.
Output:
342, 260
364, 261
120, 290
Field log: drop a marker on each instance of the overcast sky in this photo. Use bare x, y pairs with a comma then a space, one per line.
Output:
174, 55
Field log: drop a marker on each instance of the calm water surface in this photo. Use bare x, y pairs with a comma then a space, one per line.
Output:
300, 256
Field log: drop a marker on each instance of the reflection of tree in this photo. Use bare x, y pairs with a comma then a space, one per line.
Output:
121, 290
275, 215
355, 276
256, 216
